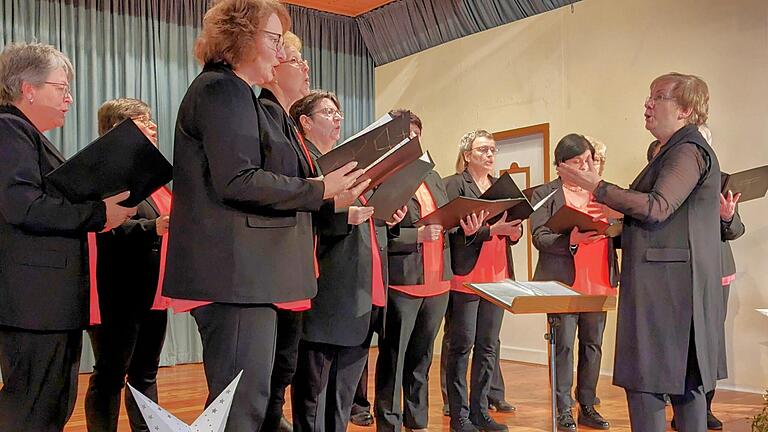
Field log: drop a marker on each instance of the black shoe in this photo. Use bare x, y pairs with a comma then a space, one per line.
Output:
361, 419
486, 423
588, 416
565, 422
285, 425
462, 425
713, 422
501, 406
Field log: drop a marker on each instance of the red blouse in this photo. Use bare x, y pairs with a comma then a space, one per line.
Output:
432, 256
491, 266
591, 261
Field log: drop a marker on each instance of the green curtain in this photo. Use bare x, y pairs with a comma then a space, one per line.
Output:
143, 49
123, 48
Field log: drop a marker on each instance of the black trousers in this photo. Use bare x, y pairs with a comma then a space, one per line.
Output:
39, 372
326, 380
646, 410
497, 391
590, 326
475, 326
286, 356
124, 345
405, 355
238, 338
360, 402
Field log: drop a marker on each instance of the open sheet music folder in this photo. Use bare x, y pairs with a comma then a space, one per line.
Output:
505, 187
121, 159
398, 189
752, 183
540, 297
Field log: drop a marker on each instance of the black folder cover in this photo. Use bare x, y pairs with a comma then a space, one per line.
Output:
450, 214
397, 190
752, 183
505, 187
121, 159
393, 163
368, 147
566, 218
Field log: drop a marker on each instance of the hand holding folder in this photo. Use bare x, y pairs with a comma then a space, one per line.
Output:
751, 184
122, 159
566, 218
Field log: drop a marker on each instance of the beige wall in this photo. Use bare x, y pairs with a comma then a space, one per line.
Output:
588, 71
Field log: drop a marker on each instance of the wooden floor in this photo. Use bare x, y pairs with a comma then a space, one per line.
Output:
183, 392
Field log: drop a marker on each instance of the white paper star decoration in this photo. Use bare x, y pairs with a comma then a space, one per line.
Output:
213, 419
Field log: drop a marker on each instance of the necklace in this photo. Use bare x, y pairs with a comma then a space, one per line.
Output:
573, 188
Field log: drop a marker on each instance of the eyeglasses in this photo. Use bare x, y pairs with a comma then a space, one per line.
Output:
147, 121
652, 100
63, 88
486, 149
293, 61
276, 39
330, 113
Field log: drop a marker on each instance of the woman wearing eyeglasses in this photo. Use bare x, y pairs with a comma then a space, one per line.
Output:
587, 262
474, 323
671, 298
43, 266
351, 295
241, 231
290, 83
129, 338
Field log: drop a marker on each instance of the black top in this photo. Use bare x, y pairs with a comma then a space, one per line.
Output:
43, 252
466, 250
240, 231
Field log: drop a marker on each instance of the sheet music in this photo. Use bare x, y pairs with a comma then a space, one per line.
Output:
506, 290
386, 118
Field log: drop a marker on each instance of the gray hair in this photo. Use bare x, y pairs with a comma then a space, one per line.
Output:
465, 145
31, 63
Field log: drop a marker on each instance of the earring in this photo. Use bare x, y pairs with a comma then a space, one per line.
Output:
31, 99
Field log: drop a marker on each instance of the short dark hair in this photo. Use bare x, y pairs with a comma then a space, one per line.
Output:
413, 118
306, 105
571, 146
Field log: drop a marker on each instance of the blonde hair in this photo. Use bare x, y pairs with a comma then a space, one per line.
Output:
230, 29
601, 151
114, 111
292, 40
31, 63
465, 145
690, 92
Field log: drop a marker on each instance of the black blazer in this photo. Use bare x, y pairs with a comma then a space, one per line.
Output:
406, 254
240, 231
341, 311
555, 259
43, 251
128, 263
729, 231
466, 250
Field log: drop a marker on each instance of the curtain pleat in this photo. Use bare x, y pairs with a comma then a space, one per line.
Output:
405, 27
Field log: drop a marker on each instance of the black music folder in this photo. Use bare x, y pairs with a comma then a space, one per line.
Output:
369, 145
457, 209
752, 183
505, 187
566, 218
397, 190
121, 159
391, 162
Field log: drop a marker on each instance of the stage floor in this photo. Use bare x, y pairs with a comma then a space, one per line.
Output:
183, 392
